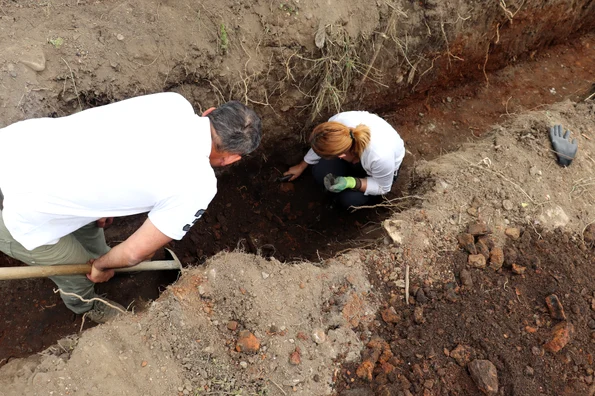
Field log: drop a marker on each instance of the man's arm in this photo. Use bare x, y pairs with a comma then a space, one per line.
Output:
140, 245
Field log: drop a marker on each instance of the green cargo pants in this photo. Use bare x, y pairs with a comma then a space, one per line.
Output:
77, 248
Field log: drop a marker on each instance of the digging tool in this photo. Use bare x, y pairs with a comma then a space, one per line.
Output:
283, 179
43, 271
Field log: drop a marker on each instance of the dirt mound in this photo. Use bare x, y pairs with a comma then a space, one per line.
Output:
227, 327
511, 177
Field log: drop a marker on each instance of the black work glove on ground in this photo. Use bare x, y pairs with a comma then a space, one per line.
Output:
563, 147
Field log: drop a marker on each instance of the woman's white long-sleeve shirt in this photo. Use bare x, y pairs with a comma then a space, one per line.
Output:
383, 156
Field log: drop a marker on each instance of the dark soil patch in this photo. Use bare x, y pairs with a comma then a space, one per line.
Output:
503, 318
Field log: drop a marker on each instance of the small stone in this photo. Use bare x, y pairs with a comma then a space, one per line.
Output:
467, 242
244, 365
247, 342
232, 325
507, 205
485, 376
120, 37
477, 261
472, 211
466, 278
589, 234
518, 269
420, 296
513, 233
496, 258
483, 249
448, 99
318, 336
555, 307
529, 371
418, 314
295, 358
316, 378
265, 275
389, 315
144, 363
478, 228
34, 60
561, 334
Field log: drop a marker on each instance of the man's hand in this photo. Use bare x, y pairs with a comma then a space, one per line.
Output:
99, 276
563, 147
337, 184
296, 171
104, 222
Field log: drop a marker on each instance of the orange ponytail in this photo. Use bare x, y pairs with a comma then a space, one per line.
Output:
331, 139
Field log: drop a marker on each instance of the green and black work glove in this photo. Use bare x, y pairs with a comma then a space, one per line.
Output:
337, 184
564, 148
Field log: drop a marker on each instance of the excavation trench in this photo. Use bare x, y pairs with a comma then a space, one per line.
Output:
293, 221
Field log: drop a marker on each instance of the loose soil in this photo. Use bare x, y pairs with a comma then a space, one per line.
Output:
501, 317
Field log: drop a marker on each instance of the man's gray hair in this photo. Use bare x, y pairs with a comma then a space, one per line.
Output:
239, 128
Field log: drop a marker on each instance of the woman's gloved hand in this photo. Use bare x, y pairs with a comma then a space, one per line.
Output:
337, 184
564, 148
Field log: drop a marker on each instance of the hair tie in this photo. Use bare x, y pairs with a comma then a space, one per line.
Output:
351, 134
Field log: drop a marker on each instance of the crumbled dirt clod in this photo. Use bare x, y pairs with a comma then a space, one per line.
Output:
560, 336
389, 315
296, 357
462, 354
518, 269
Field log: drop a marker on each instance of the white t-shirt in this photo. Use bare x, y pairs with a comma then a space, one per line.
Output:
145, 154
383, 156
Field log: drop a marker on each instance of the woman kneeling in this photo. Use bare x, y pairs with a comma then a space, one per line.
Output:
355, 155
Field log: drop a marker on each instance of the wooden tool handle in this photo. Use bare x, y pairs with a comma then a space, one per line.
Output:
39, 271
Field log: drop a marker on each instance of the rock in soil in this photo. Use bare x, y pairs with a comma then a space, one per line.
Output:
518, 269
485, 376
496, 258
478, 228
247, 342
467, 242
483, 249
561, 334
555, 307
477, 261
589, 234
513, 233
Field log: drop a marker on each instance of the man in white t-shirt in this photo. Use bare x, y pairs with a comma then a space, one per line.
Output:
63, 178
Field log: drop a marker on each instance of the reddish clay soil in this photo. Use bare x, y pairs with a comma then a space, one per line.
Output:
292, 221
501, 317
